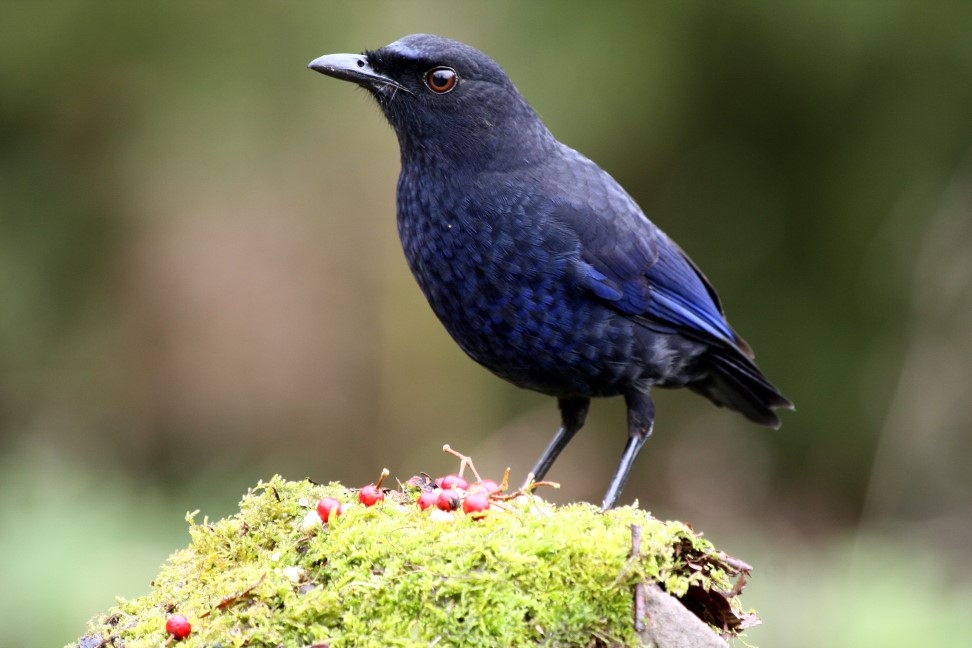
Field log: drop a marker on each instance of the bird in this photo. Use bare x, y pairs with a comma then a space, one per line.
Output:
540, 266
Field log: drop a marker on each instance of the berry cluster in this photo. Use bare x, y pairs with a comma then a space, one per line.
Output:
451, 491
447, 494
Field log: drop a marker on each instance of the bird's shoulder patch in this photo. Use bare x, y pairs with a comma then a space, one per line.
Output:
630, 296
655, 280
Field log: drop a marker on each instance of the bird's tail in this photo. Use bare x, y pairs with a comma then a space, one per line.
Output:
734, 381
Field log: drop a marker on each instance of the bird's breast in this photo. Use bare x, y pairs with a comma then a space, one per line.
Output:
498, 280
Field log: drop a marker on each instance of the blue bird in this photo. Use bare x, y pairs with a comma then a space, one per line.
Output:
539, 265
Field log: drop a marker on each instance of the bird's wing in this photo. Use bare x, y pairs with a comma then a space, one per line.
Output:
632, 265
667, 288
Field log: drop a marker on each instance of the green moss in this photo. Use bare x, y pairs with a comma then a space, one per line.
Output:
393, 575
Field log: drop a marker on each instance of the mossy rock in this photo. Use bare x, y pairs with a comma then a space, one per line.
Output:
529, 573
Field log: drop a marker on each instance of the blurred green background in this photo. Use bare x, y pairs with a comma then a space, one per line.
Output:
201, 285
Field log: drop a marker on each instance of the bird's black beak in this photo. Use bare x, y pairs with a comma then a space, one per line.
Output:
350, 67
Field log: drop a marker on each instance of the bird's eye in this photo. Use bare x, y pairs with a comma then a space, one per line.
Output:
441, 80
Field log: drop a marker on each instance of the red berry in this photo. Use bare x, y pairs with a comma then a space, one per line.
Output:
447, 500
371, 495
487, 486
427, 499
490, 486
178, 626
476, 504
452, 481
328, 506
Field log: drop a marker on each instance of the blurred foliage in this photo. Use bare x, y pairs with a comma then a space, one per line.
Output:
200, 280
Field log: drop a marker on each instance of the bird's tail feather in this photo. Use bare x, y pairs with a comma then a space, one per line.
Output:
734, 381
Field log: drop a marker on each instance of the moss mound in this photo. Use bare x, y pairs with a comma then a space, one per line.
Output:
392, 575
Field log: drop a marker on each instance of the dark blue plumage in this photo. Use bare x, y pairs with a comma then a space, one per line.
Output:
540, 266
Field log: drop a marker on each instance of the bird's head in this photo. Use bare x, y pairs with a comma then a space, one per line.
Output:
448, 102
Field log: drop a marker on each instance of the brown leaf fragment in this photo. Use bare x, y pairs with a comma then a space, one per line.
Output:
739, 585
715, 606
422, 481
233, 598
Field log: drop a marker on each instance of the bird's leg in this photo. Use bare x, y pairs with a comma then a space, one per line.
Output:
641, 418
573, 411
